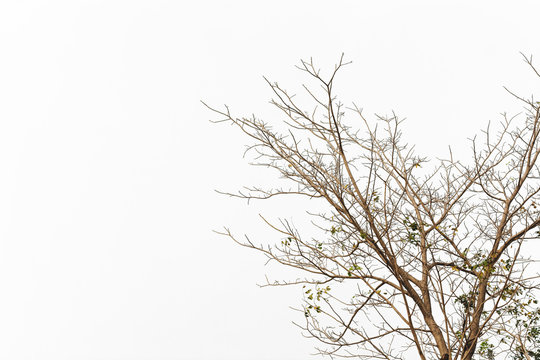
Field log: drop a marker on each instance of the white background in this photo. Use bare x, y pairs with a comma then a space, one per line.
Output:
108, 161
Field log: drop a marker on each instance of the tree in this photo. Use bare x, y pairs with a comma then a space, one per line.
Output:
412, 256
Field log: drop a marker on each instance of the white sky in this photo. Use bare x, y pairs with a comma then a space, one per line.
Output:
108, 162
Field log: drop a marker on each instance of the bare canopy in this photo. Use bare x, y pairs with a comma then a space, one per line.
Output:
414, 258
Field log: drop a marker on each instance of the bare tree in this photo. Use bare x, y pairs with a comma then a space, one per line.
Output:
412, 256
